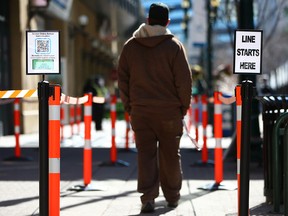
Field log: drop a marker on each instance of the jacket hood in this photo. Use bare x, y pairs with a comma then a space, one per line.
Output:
151, 36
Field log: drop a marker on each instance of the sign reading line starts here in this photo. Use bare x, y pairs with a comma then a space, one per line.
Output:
248, 52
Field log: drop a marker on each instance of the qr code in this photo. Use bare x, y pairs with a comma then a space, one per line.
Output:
43, 46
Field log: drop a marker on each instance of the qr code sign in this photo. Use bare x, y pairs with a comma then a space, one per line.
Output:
42, 46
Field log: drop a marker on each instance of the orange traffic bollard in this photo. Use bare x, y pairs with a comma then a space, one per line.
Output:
113, 149
204, 157
218, 151
204, 125
17, 150
78, 117
87, 152
87, 155
54, 152
218, 168
62, 121
196, 117
238, 137
127, 131
17, 127
72, 118
190, 118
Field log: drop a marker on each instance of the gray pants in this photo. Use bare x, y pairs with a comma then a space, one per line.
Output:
159, 160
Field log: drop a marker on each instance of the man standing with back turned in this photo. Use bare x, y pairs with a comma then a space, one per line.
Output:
154, 80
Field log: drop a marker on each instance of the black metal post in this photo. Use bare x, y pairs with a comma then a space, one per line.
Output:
43, 97
247, 96
246, 21
209, 48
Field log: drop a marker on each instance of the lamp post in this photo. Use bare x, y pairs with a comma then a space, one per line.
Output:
186, 4
83, 21
212, 6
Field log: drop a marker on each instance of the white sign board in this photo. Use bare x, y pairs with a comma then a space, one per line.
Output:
42, 52
248, 52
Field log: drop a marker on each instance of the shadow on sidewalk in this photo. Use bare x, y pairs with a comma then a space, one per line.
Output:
17, 201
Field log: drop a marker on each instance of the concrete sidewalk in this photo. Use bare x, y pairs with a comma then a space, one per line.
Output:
112, 191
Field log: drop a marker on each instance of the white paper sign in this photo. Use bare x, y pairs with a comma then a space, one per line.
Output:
248, 52
42, 52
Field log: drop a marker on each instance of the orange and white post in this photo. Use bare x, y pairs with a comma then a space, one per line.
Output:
238, 136
78, 117
72, 118
54, 152
218, 151
17, 150
113, 151
190, 117
62, 121
87, 154
127, 120
204, 125
196, 117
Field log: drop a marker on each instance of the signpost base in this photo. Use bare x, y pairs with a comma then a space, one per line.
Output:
217, 186
89, 187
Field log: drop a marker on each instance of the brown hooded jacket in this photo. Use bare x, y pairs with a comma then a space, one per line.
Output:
154, 76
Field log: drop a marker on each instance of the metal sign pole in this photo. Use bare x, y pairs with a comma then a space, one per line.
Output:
43, 57
247, 60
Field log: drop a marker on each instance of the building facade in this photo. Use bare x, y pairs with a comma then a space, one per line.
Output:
90, 42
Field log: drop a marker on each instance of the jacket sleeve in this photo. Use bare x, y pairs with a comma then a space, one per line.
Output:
123, 81
183, 79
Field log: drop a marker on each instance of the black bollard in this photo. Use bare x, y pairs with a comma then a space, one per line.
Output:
43, 97
247, 96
